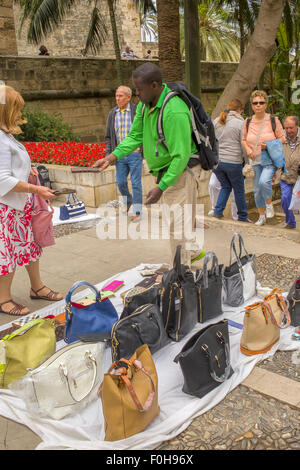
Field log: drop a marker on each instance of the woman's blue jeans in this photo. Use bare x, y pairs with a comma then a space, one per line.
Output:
262, 184
231, 177
133, 164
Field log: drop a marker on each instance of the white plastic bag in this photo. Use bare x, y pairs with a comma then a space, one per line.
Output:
295, 202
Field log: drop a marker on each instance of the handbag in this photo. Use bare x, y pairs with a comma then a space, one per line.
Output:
263, 322
66, 382
97, 317
129, 395
205, 360
149, 296
293, 299
239, 278
26, 348
209, 284
179, 299
71, 210
143, 326
41, 217
248, 171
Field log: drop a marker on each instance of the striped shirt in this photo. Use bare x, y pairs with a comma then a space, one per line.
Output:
122, 123
292, 144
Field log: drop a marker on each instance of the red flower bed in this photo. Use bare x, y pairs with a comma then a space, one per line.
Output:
65, 153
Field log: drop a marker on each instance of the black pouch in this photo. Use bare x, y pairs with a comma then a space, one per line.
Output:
205, 360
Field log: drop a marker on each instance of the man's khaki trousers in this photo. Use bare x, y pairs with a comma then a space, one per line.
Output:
183, 197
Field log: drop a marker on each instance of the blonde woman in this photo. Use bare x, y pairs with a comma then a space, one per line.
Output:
17, 245
260, 129
229, 131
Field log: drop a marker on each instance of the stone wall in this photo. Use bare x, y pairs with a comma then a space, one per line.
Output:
82, 90
8, 42
69, 38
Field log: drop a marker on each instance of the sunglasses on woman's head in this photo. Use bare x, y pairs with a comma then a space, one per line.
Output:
255, 103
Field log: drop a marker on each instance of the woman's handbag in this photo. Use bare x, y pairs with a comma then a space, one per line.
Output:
26, 348
66, 382
41, 217
248, 171
209, 284
97, 317
293, 299
179, 299
143, 326
129, 395
205, 360
263, 322
71, 210
149, 296
239, 278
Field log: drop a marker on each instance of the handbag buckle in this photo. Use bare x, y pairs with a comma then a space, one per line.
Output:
204, 348
220, 337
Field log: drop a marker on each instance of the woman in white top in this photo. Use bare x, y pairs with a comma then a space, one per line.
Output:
17, 245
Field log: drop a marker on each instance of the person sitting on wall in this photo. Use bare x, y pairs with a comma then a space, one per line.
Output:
83, 53
148, 56
128, 53
43, 50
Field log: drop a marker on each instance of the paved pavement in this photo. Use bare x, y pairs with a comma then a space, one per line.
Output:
83, 256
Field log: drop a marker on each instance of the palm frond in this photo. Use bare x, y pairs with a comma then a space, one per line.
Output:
97, 31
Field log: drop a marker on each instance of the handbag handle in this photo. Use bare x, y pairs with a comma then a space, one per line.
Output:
286, 318
214, 358
82, 283
233, 248
64, 372
75, 199
177, 263
210, 255
123, 371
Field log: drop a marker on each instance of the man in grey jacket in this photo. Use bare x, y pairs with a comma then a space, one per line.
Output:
118, 125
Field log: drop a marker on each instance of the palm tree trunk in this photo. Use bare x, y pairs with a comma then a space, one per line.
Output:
259, 51
169, 40
116, 41
192, 47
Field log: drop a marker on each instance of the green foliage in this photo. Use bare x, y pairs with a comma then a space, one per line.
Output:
281, 106
41, 127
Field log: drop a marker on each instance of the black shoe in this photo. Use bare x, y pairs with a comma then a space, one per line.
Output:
217, 216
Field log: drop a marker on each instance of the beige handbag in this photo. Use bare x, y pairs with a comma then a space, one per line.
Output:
248, 171
263, 322
129, 395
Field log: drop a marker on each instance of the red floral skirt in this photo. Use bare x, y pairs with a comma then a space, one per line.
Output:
17, 245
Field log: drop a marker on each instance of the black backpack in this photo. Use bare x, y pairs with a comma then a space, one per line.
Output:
44, 176
203, 129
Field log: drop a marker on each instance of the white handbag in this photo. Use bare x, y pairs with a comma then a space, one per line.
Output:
66, 382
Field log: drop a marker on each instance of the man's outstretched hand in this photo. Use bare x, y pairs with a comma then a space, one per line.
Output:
153, 196
105, 162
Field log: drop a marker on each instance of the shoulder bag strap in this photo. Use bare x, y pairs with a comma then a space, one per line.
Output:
130, 388
210, 255
286, 319
213, 358
258, 134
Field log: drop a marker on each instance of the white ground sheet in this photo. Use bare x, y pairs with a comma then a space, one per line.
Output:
83, 218
85, 430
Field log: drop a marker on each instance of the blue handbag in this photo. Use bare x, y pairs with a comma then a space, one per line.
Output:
98, 317
70, 210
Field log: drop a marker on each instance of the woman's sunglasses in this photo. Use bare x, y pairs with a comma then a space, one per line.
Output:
255, 103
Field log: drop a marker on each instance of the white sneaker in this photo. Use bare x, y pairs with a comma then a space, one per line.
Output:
269, 211
261, 220
211, 212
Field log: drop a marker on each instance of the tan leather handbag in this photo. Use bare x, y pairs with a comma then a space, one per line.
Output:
263, 322
129, 395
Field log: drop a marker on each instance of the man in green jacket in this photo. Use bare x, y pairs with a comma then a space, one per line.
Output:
176, 185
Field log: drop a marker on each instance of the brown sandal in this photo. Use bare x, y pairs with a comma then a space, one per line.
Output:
51, 296
16, 310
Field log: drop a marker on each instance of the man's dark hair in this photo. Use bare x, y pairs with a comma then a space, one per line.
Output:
148, 73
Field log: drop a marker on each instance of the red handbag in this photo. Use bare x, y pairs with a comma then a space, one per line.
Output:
41, 218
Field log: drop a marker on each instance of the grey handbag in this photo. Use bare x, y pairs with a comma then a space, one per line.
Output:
294, 303
239, 278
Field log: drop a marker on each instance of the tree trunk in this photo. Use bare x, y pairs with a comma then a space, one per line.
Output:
169, 40
192, 47
259, 51
119, 64
8, 41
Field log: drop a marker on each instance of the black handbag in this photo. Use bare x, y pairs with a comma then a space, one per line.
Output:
149, 296
294, 303
179, 299
209, 284
205, 360
143, 326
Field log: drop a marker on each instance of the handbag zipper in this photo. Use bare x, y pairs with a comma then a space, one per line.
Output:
169, 306
180, 310
200, 304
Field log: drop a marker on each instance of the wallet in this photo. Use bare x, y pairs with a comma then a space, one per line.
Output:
148, 282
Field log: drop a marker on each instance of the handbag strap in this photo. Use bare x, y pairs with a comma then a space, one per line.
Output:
123, 371
79, 284
241, 247
285, 319
258, 135
75, 199
210, 255
177, 263
214, 358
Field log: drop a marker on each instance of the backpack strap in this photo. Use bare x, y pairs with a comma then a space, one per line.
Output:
273, 122
159, 124
248, 124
